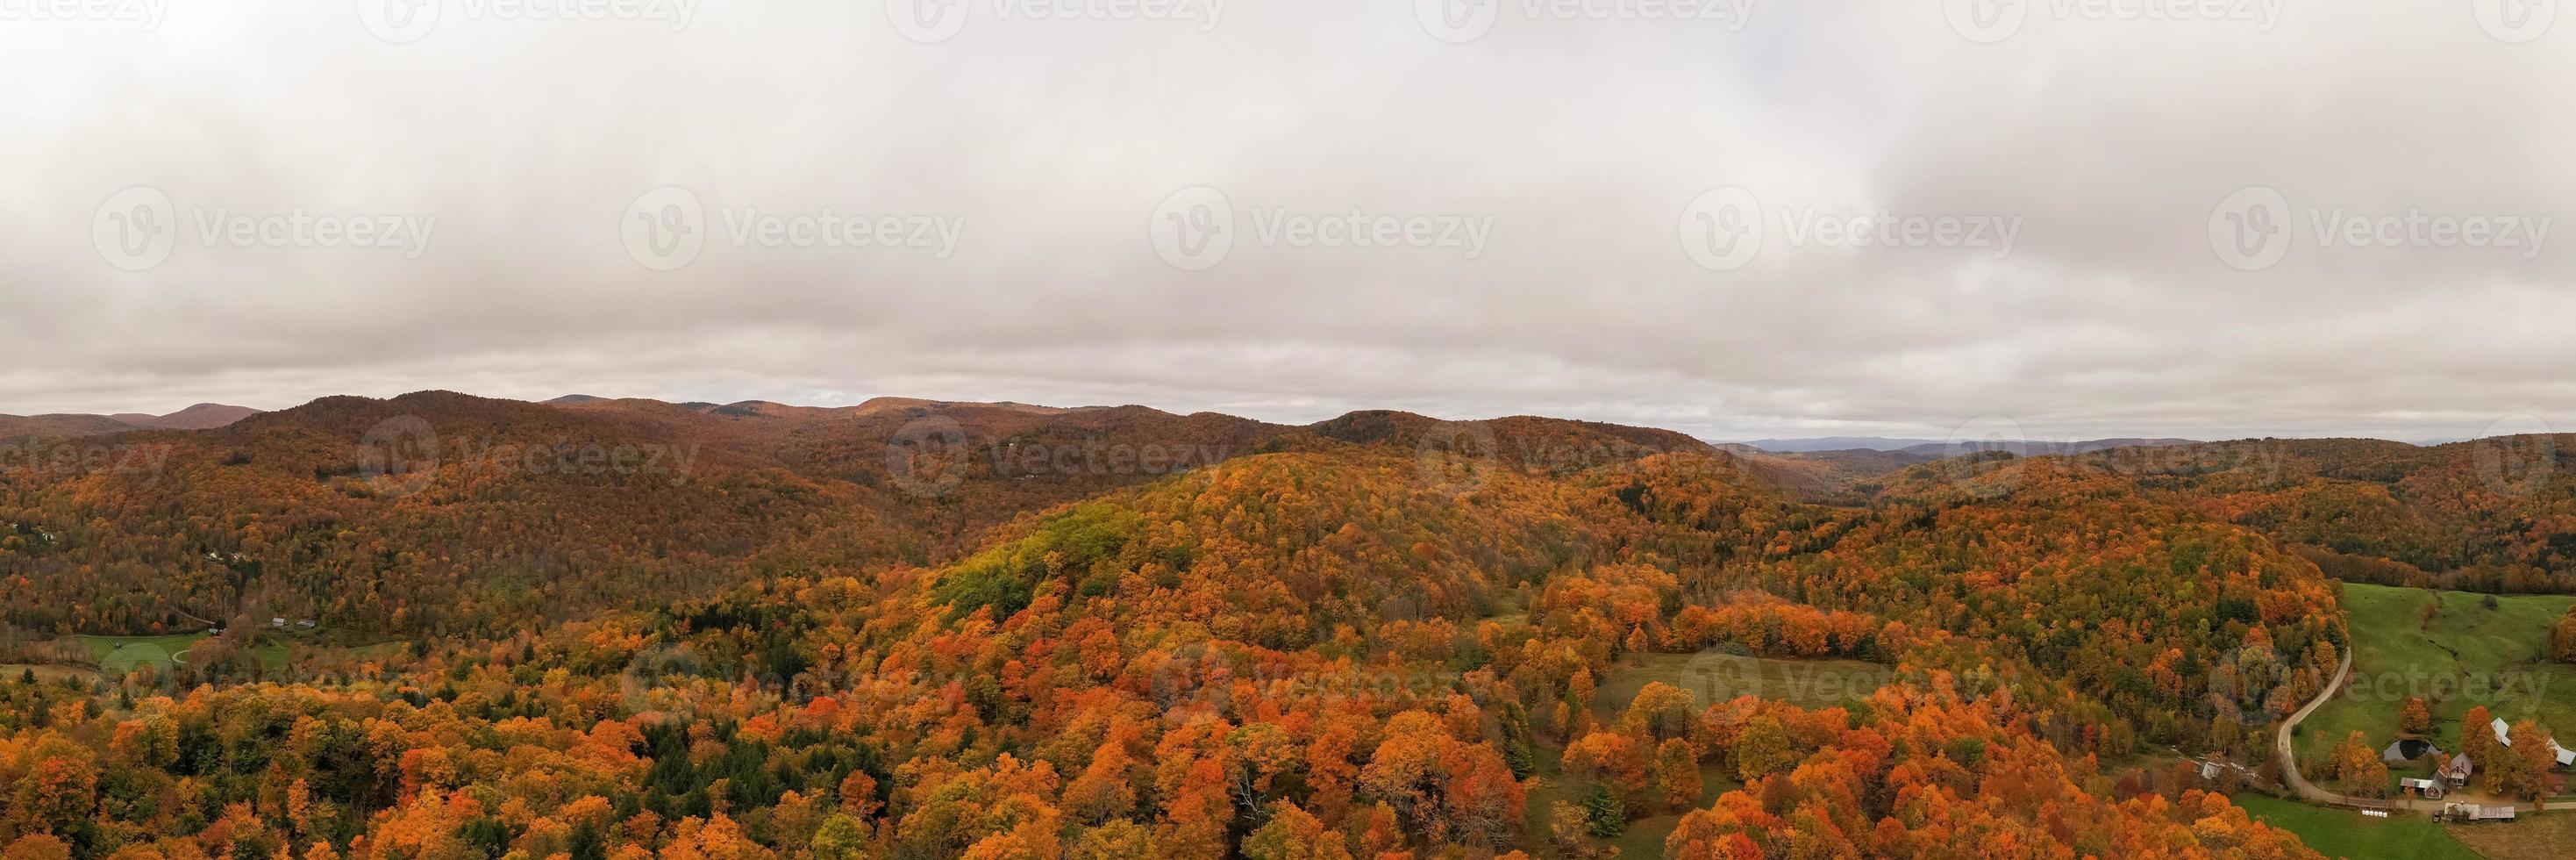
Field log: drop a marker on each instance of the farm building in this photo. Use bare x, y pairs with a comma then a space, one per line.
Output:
2408, 750
2457, 773
2478, 812
2562, 755
2422, 787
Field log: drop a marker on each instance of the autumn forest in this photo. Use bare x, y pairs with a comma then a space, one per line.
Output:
442, 627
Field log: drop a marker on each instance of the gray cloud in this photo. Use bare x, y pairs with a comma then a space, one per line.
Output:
2106, 141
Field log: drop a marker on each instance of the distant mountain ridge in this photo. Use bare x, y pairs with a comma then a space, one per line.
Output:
203, 416
1941, 448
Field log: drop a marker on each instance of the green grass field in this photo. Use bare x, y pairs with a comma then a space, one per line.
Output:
2346, 833
118, 655
1643, 838
1711, 678
2465, 655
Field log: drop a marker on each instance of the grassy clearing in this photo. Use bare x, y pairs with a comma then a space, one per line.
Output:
118, 655
2464, 655
2346, 833
1643, 838
46, 674
1711, 678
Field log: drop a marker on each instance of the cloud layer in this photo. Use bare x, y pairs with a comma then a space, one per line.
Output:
989, 199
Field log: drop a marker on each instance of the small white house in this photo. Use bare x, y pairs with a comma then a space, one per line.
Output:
2500, 727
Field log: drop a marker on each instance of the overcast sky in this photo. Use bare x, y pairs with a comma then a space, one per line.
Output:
2099, 218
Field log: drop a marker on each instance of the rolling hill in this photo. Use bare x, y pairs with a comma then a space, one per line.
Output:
203, 416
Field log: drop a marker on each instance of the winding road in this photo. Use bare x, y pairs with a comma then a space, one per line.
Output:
2290, 762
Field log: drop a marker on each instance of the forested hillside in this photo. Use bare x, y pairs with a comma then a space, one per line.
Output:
925, 630
2487, 515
